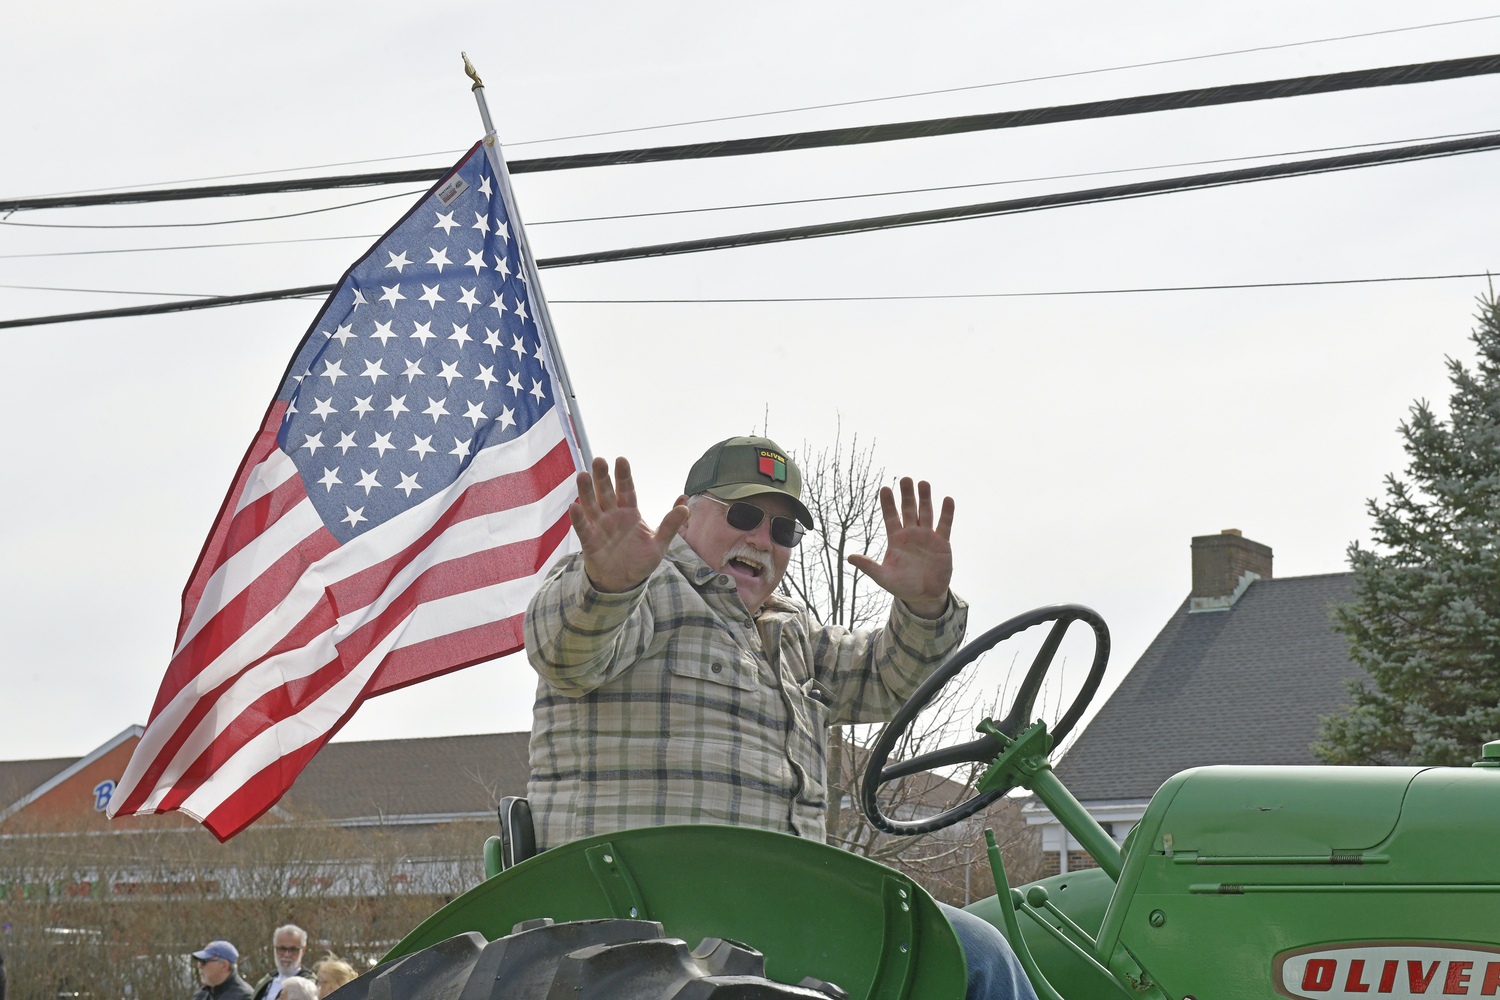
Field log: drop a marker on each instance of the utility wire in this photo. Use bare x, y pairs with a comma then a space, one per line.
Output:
221, 222
1002, 83
984, 184
1139, 189
1325, 83
1021, 295
312, 291
810, 107
191, 246
1119, 192
774, 204
109, 291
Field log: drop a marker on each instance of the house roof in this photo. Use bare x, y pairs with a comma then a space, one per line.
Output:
1241, 686
377, 781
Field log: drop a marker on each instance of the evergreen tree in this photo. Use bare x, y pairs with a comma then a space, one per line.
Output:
1425, 621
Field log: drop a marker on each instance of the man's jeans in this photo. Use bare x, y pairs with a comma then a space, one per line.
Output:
994, 971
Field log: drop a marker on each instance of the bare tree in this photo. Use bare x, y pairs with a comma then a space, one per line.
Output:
841, 488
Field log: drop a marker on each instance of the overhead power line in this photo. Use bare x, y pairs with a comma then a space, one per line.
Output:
1004, 83
1450, 69
316, 290
1118, 192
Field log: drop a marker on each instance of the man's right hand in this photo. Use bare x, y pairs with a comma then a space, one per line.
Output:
619, 549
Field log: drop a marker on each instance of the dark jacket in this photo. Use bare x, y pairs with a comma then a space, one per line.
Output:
233, 988
264, 982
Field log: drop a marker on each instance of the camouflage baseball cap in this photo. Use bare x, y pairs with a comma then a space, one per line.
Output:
741, 467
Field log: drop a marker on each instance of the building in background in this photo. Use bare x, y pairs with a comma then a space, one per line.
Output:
1238, 675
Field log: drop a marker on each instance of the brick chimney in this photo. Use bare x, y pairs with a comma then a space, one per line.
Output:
1223, 566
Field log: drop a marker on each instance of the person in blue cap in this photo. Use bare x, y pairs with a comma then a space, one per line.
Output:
217, 971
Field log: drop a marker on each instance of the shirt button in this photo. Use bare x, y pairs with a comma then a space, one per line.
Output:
717, 667
723, 580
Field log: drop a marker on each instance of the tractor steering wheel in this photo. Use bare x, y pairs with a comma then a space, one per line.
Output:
985, 748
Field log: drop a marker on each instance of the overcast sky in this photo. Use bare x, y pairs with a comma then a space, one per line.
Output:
1085, 438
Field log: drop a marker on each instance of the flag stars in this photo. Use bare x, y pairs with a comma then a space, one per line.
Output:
391, 294
323, 409
368, 481
538, 354
484, 186
374, 371
363, 406
352, 516
498, 305
445, 223
486, 375
359, 299
422, 446
344, 335
507, 417
413, 369
502, 230
408, 483
536, 390
461, 334
346, 441
422, 332
431, 296
519, 346
461, 448
467, 298
333, 371
475, 413
330, 479
440, 258
492, 340
520, 309
398, 261
514, 385
449, 372
313, 443
435, 408
382, 333
397, 407
481, 223
382, 444
502, 265
476, 261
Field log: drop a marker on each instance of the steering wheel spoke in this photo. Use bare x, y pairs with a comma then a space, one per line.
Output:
985, 748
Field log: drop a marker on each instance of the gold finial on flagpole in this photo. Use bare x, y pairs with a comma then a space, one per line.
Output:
472, 72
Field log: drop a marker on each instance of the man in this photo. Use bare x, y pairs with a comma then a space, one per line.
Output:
216, 970
288, 943
676, 685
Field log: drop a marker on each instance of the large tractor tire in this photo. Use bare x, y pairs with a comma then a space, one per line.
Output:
581, 960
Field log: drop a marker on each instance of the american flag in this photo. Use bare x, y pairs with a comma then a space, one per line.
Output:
407, 490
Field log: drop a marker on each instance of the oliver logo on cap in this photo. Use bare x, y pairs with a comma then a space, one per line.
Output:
773, 465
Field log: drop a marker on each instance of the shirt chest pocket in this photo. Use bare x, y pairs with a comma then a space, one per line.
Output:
718, 666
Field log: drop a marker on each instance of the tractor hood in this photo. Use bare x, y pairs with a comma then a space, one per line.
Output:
1228, 811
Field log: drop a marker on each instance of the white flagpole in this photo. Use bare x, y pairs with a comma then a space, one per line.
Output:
540, 314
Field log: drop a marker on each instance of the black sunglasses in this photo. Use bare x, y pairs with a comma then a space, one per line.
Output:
785, 531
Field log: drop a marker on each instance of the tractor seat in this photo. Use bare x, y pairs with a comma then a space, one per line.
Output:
517, 834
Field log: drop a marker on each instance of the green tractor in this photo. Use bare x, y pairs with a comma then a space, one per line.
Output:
1238, 882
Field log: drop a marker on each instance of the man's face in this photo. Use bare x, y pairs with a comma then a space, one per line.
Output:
288, 953
750, 558
213, 971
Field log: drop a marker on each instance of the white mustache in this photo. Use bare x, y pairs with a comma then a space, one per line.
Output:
745, 552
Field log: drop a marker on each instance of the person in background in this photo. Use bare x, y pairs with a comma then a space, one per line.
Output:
332, 973
298, 988
217, 971
288, 944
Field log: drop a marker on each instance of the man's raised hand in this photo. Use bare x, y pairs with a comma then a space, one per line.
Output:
918, 561
619, 549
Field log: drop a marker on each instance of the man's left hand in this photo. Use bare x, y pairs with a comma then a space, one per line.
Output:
918, 561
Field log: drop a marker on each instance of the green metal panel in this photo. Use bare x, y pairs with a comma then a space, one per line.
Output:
812, 909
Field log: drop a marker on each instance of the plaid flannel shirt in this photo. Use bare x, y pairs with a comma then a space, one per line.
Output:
669, 704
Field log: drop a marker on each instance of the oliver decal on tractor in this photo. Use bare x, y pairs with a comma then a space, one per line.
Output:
1238, 882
